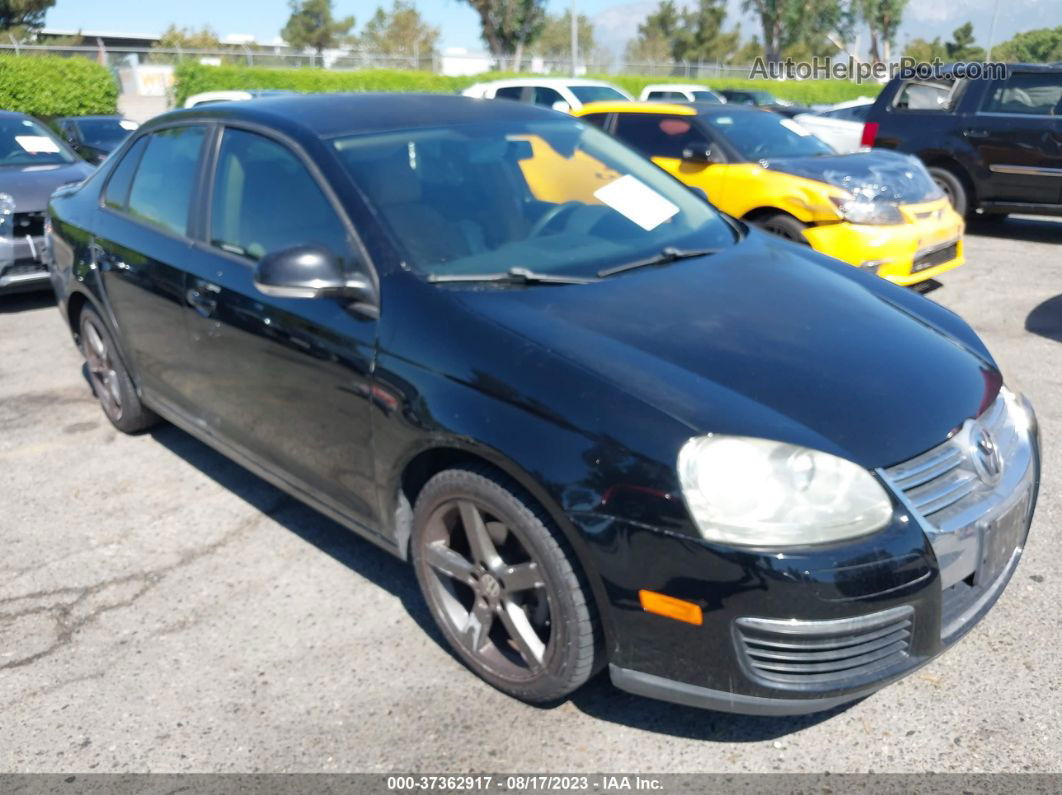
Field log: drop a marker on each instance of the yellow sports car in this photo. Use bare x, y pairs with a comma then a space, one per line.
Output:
877, 210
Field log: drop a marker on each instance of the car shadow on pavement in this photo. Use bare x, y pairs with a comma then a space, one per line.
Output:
24, 302
1032, 230
1046, 319
598, 698
359, 555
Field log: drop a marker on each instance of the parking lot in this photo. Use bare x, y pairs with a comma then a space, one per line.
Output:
162, 609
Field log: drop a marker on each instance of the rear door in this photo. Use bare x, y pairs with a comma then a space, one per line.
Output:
285, 381
141, 249
1016, 132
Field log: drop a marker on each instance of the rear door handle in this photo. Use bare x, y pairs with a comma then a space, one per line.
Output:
203, 299
977, 133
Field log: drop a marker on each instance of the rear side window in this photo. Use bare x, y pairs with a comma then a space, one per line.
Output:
658, 136
934, 95
117, 194
265, 200
1028, 93
162, 188
509, 92
547, 96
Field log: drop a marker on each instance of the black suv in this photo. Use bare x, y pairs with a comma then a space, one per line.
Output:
990, 144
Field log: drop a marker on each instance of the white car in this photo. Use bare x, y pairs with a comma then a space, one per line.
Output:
840, 126
560, 94
679, 92
210, 97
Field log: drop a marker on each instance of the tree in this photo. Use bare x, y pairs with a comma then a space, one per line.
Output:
784, 23
648, 47
926, 51
747, 52
400, 31
311, 25
700, 36
883, 18
1043, 45
556, 38
175, 38
28, 14
656, 35
507, 26
962, 47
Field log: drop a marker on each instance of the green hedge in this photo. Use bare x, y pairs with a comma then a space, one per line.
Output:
51, 86
193, 78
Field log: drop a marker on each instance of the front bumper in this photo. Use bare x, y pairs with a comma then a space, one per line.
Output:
799, 632
22, 265
927, 245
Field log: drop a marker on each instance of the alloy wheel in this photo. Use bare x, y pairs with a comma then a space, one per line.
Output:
488, 589
102, 372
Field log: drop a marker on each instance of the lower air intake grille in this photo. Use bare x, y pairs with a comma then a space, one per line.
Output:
825, 654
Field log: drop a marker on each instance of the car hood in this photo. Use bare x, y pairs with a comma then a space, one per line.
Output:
878, 175
767, 339
30, 186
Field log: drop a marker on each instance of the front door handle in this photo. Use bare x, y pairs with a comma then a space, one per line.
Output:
203, 300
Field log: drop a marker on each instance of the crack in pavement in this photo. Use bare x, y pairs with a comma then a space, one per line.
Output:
65, 616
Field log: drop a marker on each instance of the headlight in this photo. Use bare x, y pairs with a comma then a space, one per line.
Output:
860, 211
755, 492
7, 204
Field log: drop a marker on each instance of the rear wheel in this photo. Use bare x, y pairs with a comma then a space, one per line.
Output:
110, 380
953, 188
784, 226
502, 585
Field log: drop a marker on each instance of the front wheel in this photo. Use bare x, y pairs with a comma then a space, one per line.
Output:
952, 187
502, 585
784, 226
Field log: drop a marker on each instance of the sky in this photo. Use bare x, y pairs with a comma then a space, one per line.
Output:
615, 21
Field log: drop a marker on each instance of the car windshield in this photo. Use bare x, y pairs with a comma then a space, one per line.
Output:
555, 197
587, 94
24, 142
760, 135
104, 133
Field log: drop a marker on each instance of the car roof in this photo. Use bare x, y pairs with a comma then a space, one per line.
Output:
93, 116
552, 82
683, 109
14, 114
329, 115
676, 87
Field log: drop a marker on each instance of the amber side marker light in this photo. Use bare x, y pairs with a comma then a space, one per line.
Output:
670, 607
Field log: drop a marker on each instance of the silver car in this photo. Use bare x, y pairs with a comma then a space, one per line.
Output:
33, 163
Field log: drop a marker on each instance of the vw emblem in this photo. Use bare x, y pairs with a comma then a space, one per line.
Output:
987, 461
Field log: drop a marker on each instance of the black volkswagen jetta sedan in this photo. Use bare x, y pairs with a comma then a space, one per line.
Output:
607, 424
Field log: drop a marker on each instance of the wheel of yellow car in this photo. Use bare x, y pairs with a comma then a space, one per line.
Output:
784, 226
953, 188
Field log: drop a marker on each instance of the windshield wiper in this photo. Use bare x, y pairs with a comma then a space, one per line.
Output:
511, 276
666, 255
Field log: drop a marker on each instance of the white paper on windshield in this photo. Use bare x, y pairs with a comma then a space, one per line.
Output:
795, 127
37, 144
635, 200
126, 124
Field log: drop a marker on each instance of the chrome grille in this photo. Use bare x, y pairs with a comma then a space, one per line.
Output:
975, 522
825, 654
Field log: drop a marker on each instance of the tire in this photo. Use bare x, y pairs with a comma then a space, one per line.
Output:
510, 599
953, 188
110, 381
785, 226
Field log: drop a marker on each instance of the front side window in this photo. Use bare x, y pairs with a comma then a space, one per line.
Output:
161, 193
658, 136
554, 196
759, 136
1030, 93
264, 200
25, 142
547, 96
509, 92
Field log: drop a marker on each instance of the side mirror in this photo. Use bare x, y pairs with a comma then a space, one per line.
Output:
698, 153
307, 272
561, 106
